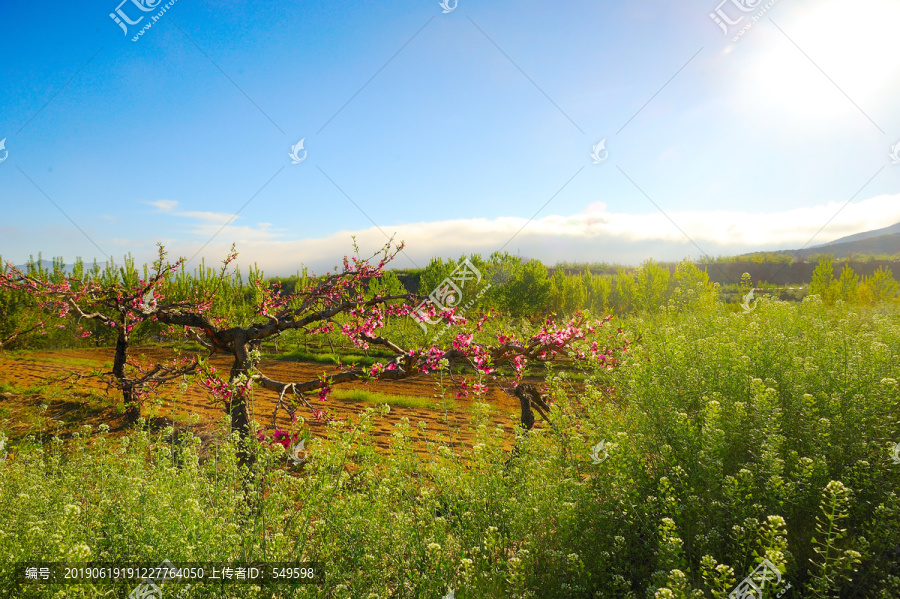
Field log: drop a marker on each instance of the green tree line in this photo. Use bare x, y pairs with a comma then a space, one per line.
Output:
519, 288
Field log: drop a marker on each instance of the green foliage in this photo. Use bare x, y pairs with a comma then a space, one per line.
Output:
19, 313
690, 288
528, 290
880, 287
848, 285
729, 439
652, 286
568, 294
762, 412
436, 271
780, 258
388, 284
833, 565
823, 283
623, 292
597, 289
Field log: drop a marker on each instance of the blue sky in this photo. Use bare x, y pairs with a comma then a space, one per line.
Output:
465, 131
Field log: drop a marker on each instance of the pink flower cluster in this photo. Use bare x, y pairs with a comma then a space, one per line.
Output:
432, 359
224, 391
481, 358
462, 341
324, 392
477, 388
280, 436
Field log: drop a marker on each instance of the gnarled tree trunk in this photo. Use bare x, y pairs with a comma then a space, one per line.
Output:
530, 397
238, 409
132, 407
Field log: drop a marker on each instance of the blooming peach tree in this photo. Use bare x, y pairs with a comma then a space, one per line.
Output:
338, 302
122, 306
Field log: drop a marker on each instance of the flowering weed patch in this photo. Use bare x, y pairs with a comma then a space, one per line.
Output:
733, 444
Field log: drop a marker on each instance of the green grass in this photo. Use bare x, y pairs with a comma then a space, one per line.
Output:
406, 401
186, 346
299, 355
27, 356
36, 390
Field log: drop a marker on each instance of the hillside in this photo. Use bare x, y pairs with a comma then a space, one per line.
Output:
865, 235
888, 244
877, 242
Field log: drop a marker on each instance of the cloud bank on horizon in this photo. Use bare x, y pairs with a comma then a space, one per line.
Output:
594, 235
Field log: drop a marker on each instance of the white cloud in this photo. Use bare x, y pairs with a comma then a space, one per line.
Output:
205, 224
593, 235
163, 205
221, 225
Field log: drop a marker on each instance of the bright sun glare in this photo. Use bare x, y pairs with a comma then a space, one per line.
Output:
854, 43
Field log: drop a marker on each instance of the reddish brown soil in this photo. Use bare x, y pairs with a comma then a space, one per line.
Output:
35, 368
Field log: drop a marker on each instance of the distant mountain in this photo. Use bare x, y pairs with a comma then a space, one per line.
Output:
882, 244
47, 265
878, 241
865, 235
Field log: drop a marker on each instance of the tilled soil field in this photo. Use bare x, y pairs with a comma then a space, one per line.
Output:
452, 424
